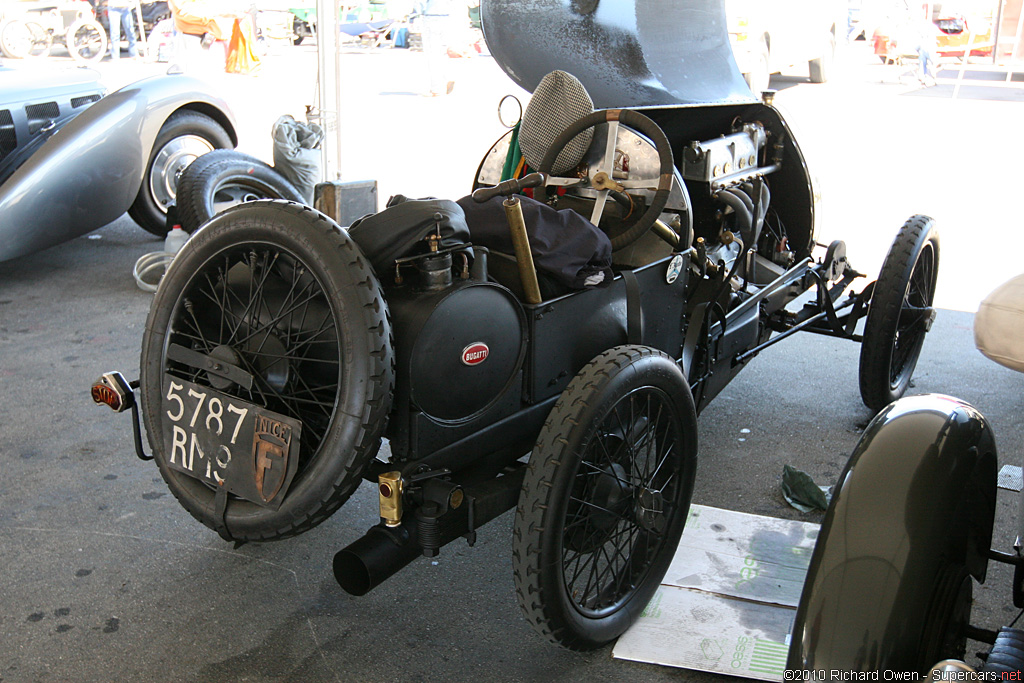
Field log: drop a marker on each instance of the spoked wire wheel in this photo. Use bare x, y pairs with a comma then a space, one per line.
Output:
605, 498
86, 41
272, 305
24, 39
900, 314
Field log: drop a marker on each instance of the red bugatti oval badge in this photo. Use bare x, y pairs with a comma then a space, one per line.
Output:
475, 354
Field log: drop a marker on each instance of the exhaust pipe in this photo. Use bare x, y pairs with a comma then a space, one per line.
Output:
374, 558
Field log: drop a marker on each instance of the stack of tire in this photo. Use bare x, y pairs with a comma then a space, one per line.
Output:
223, 178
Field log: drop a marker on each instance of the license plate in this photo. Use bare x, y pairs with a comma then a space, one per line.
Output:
224, 441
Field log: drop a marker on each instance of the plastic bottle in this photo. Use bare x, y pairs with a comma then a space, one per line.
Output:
176, 239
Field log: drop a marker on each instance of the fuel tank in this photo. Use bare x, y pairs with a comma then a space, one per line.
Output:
457, 349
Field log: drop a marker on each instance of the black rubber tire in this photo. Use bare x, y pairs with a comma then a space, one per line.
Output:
1007, 654
949, 613
350, 374
182, 126
221, 181
574, 443
188, 175
897, 319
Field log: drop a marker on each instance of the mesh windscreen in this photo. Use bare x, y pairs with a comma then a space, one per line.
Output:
558, 101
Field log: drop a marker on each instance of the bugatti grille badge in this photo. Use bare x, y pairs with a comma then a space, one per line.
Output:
475, 354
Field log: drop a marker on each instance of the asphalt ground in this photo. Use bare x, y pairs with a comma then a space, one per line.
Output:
104, 577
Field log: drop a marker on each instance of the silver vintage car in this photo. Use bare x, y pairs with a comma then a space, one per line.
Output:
73, 158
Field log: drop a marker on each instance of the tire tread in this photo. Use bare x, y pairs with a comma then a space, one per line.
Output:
539, 491
376, 324
884, 310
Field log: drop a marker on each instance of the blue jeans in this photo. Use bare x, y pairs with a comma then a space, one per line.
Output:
121, 17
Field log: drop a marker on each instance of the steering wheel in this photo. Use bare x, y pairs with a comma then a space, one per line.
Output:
601, 178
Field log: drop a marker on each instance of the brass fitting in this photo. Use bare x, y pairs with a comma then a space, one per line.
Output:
390, 487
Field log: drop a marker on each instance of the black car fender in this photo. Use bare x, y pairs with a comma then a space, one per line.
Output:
917, 496
89, 171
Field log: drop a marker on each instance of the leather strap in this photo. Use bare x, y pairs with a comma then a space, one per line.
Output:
634, 309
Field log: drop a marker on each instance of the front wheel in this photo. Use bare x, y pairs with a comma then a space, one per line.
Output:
949, 613
605, 498
183, 137
269, 313
900, 313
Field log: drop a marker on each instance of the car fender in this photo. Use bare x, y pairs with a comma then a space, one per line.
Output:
88, 173
917, 495
628, 53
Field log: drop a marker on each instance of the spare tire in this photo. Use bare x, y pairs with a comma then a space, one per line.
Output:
269, 315
227, 179
185, 136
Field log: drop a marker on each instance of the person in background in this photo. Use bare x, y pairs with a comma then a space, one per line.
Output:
119, 15
210, 19
927, 59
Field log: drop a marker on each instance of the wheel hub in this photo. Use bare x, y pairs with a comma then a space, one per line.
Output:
650, 510
606, 504
271, 360
227, 355
170, 162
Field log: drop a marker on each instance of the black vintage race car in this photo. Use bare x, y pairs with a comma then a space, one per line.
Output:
665, 245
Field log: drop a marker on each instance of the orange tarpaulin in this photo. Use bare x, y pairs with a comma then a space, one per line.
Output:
241, 58
197, 17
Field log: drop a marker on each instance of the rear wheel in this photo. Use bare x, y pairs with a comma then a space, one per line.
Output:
86, 41
605, 497
282, 296
24, 39
900, 313
183, 137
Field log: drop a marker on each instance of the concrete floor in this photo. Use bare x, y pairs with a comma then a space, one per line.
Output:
105, 577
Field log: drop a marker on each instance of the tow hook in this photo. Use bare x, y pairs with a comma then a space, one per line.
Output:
117, 393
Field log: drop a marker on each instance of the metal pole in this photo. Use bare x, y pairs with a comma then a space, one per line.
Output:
142, 46
327, 30
521, 245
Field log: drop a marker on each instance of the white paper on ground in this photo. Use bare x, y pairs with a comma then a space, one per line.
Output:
727, 602
1011, 478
